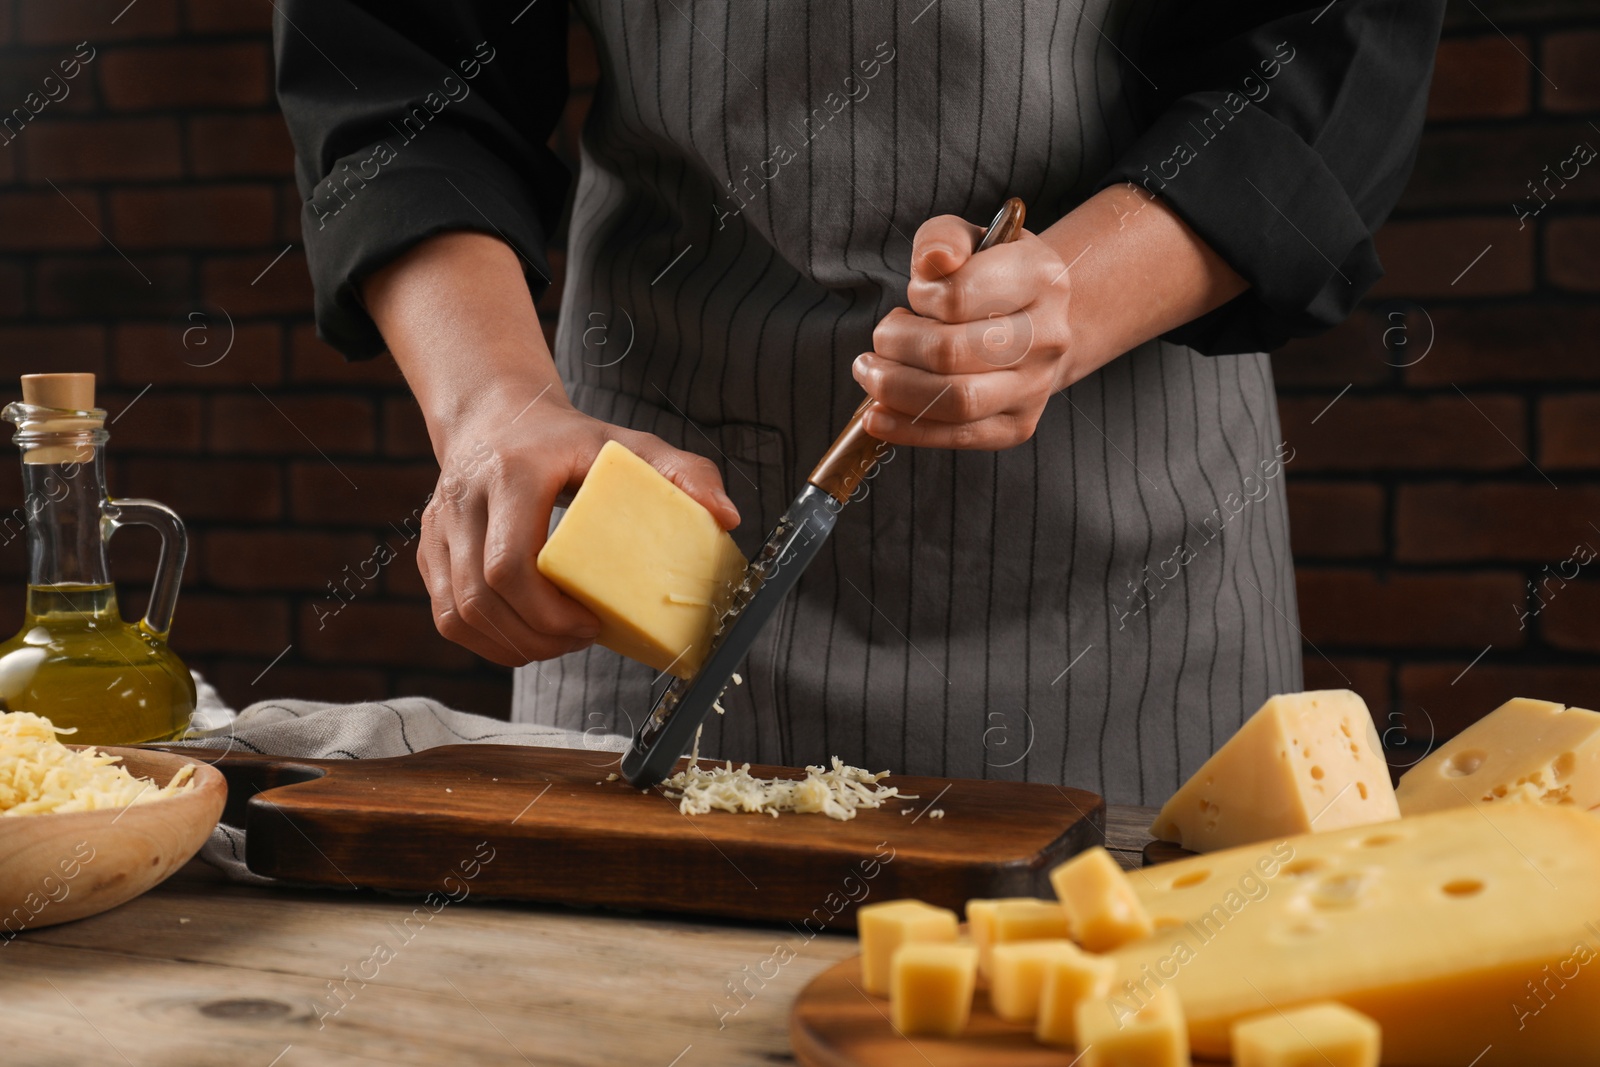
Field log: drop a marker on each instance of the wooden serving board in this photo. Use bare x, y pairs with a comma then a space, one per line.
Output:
558, 832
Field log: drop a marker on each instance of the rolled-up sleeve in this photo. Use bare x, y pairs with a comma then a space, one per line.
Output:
1283, 134
411, 118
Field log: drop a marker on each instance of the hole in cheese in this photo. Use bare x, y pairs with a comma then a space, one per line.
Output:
1463, 887
1361, 788
1379, 840
1296, 868
1464, 763
1316, 772
1193, 878
1563, 766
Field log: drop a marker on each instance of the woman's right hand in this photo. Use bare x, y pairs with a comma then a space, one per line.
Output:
501, 473
457, 315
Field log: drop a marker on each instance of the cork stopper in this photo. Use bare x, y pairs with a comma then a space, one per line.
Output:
71, 392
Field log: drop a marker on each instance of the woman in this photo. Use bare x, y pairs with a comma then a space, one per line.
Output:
1075, 568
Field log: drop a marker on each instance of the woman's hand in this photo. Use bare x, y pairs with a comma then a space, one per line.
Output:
985, 344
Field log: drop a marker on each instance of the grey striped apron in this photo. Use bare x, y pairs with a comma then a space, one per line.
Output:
1098, 607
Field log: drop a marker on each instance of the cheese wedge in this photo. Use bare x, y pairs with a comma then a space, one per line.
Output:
931, 987
885, 926
1153, 1035
1304, 762
1317, 1035
1467, 935
1099, 901
1524, 750
646, 558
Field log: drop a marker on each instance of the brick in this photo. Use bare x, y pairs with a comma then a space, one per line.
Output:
74, 22
376, 633
1449, 701
289, 207
1572, 61
198, 349
1572, 252
94, 287
193, 216
1370, 678
206, 622
227, 16
29, 349
240, 146
313, 362
1350, 353
1480, 77
257, 560
50, 220
243, 684
99, 150
1335, 520
1570, 615
1455, 523
1493, 168
1351, 608
292, 425
1567, 431
359, 493
157, 421
134, 554
237, 283
200, 489
489, 696
13, 292
401, 577
1405, 433
1510, 344
583, 58
44, 76
177, 76
1432, 257
404, 431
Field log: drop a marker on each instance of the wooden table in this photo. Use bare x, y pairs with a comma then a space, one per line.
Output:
202, 972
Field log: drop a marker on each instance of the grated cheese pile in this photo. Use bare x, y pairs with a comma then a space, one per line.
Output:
39, 775
837, 793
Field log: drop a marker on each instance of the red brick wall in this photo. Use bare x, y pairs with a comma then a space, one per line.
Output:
1419, 515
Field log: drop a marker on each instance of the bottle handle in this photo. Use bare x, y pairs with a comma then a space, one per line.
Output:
174, 551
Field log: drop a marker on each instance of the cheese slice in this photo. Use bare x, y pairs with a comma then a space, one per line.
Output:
1304, 762
1467, 935
646, 558
885, 926
931, 987
1317, 1035
1153, 1035
1099, 901
1524, 750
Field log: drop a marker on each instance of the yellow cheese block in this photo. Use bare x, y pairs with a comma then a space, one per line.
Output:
1463, 933
1070, 978
1304, 762
1016, 976
931, 987
885, 926
1153, 1035
1099, 901
1317, 1035
980, 925
646, 558
1524, 750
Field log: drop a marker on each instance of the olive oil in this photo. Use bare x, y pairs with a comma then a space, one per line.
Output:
76, 661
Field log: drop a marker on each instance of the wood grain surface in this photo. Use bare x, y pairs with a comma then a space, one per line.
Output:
559, 832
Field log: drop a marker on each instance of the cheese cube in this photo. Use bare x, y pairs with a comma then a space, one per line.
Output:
1524, 750
1112, 1033
1070, 977
647, 559
980, 925
886, 926
1454, 931
931, 988
1016, 976
1314, 1035
1305, 762
1101, 906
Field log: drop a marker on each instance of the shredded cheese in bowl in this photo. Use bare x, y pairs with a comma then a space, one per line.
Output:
39, 775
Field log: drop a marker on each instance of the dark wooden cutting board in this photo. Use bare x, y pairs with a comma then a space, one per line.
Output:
558, 832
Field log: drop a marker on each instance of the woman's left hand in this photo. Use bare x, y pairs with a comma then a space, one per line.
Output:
984, 346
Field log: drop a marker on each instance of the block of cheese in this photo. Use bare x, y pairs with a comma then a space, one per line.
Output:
1016, 976
1070, 978
1524, 750
1454, 931
1151, 1035
885, 926
1101, 906
1316, 1035
647, 559
1304, 762
980, 925
931, 986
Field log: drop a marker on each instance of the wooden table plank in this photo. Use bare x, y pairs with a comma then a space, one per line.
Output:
202, 971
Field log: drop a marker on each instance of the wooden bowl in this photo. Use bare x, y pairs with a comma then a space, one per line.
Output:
56, 868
